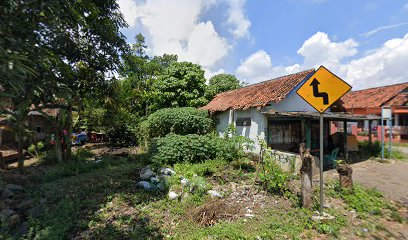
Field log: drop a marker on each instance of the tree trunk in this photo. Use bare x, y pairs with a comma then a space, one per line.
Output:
68, 141
306, 176
346, 176
20, 151
58, 139
58, 146
2, 161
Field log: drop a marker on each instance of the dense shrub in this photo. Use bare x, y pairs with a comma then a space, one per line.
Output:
36, 149
180, 121
193, 148
273, 178
121, 136
367, 150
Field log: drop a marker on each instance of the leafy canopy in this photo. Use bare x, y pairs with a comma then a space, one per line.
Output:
221, 83
181, 85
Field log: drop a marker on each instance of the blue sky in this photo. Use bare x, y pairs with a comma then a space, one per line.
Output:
364, 42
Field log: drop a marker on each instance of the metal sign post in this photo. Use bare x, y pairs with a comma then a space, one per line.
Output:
321, 163
390, 137
321, 90
382, 133
386, 114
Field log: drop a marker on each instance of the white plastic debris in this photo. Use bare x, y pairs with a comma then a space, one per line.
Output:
172, 195
167, 171
214, 193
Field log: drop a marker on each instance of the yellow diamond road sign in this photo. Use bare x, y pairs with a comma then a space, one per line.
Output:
322, 89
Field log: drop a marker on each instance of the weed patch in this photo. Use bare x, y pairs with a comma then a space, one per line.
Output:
365, 201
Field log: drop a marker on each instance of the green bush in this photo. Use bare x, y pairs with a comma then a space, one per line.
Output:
367, 150
36, 149
32, 149
193, 148
207, 168
121, 136
180, 121
273, 178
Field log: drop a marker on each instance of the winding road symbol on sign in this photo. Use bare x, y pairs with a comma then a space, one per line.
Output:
315, 84
322, 89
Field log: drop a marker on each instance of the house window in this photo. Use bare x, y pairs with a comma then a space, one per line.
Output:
243, 121
38, 129
217, 121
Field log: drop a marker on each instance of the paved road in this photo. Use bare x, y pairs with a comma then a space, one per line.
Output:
389, 178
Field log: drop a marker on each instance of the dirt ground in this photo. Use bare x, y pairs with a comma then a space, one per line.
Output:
390, 178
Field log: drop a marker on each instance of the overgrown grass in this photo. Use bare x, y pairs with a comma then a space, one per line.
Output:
400, 144
366, 201
73, 200
367, 150
204, 169
395, 154
92, 200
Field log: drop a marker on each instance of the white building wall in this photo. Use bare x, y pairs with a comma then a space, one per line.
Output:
222, 122
259, 121
292, 103
257, 129
258, 126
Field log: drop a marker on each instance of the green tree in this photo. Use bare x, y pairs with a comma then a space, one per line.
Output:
45, 43
181, 85
221, 83
138, 72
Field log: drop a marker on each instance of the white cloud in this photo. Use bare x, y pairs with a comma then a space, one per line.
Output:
257, 67
208, 73
382, 28
237, 19
128, 9
175, 27
205, 46
383, 66
320, 50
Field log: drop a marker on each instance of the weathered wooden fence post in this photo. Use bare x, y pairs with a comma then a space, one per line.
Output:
346, 176
306, 176
2, 161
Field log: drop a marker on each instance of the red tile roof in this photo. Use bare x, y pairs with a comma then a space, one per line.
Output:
376, 97
257, 95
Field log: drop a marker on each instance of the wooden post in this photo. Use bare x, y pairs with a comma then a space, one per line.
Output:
370, 140
2, 161
345, 176
306, 176
345, 140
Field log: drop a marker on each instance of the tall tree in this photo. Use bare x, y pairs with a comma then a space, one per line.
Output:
48, 39
181, 85
139, 71
221, 83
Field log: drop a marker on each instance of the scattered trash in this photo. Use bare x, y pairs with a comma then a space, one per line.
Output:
214, 193
145, 185
167, 171
184, 182
172, 195
146, 173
